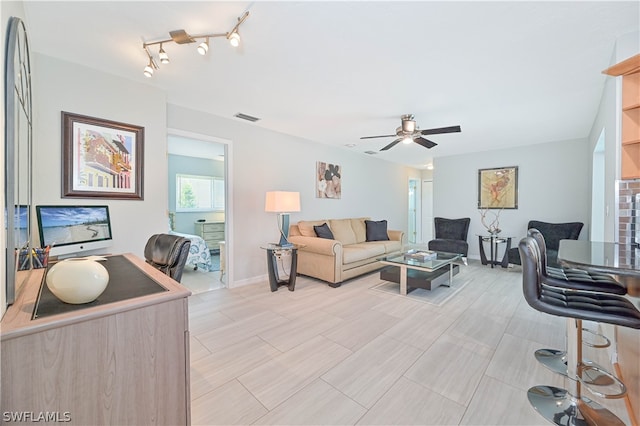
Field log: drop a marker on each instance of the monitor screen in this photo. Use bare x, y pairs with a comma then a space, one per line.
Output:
73, 230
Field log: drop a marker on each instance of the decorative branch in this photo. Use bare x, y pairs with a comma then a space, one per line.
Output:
493, 226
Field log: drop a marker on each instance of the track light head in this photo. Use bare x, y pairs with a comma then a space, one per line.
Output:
203, 48
148, 70
164, 58
234, 39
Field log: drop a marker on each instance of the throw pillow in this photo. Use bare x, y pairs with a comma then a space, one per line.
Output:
323, 231
376, 230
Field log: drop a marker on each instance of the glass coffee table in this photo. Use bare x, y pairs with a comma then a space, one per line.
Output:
412, 270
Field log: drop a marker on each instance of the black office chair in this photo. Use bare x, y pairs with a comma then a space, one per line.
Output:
167, 253
451, 235
561, 406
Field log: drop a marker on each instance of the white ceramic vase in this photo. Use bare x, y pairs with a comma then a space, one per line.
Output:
78, 280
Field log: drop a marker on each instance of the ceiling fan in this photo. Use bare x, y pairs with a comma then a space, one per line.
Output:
408, 132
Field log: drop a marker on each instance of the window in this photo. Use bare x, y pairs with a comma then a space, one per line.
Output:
199, 193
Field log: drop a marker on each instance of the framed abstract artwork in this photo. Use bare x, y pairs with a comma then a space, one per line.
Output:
498, 188
328, 180
101, 158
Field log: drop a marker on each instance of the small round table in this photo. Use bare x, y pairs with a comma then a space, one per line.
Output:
493, 241
276, 253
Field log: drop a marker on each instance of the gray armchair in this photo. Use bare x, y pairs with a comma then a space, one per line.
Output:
451, 235
167, 253
552, 233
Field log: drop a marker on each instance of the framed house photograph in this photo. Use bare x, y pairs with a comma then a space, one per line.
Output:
101, 158
498, 188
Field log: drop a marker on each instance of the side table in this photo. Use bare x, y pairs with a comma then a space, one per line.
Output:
493, 241
276, 253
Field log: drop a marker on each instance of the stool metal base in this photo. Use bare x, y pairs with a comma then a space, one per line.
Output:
595, 378
561, 408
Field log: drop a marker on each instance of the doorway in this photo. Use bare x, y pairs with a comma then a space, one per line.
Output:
199, 205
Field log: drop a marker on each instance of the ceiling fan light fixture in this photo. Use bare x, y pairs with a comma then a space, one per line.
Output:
203, 48
408, 132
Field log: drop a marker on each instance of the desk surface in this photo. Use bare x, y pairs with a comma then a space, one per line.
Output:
17, 320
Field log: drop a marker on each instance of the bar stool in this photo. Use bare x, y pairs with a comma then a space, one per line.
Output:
557, 405
572, 279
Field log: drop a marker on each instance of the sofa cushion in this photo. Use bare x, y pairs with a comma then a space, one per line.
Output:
356, 252
323, 231
342, 231
306, 227
376, 230
390, 246
359, 229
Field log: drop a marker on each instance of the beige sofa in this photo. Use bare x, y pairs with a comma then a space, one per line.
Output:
347, 256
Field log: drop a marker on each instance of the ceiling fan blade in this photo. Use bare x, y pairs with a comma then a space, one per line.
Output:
382, 136
391, 145
451, 129
424, 142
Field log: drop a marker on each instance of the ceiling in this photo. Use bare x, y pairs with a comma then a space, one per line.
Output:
509, 73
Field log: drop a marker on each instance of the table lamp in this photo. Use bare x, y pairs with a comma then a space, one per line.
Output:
283, 203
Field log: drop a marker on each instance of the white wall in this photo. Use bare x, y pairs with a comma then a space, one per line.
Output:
606, 123
63, 86
553, 186
261, 160
264, 160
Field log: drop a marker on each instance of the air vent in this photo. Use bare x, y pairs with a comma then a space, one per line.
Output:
246, 117
370, 152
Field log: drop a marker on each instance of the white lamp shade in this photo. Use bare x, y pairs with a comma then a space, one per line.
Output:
282, 201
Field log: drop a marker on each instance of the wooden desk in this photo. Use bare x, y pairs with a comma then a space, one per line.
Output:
124, 363
624, 263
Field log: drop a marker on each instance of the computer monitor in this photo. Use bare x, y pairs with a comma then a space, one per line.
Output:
74, 230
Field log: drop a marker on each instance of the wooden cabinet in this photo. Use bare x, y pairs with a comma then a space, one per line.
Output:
629, 69
124, 363
211, 232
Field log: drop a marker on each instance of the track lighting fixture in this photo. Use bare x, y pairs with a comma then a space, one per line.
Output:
182, 37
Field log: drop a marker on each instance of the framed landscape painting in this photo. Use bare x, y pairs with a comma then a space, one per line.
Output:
498, 188
101, 158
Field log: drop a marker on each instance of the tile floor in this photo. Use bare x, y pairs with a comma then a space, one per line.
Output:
354, 355
200, 281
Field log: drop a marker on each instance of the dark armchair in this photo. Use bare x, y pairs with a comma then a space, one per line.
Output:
167, 253
552, 233
451, 235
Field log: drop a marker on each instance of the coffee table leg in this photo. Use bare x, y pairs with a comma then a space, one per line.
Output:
403, 280
450, 276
